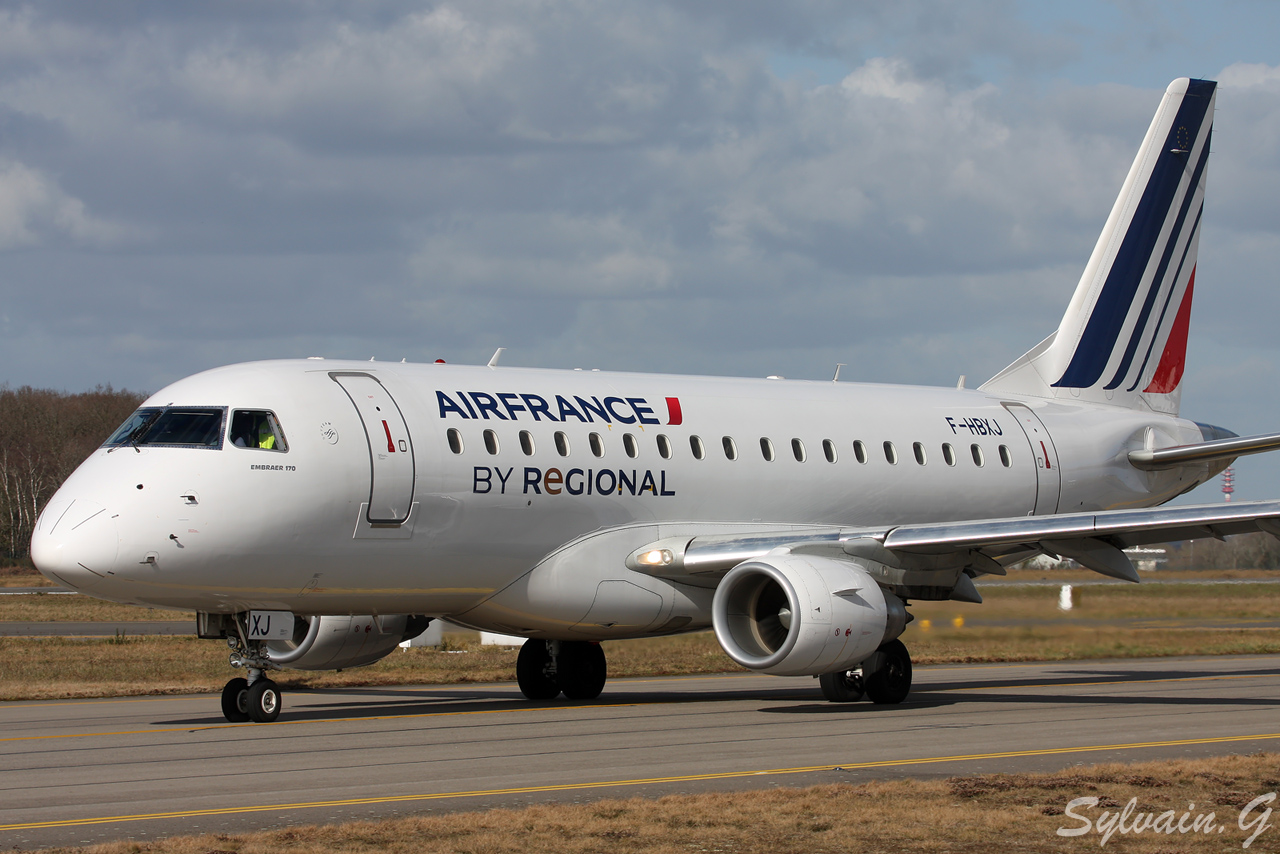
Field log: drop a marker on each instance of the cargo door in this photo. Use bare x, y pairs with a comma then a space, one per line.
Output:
390, 448
1048, 476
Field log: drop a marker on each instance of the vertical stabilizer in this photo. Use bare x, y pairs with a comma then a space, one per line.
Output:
1123, 339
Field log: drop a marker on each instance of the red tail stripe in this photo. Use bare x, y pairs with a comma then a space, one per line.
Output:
1174, 359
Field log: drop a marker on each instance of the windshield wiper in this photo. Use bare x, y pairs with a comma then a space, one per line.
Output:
136, 434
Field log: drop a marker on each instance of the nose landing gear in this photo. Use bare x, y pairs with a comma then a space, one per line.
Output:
256, 698
235, 695
258, 701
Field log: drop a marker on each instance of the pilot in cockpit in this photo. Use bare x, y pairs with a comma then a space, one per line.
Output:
254, 429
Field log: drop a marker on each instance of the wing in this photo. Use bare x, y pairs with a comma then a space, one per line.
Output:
1202, 452
938, 561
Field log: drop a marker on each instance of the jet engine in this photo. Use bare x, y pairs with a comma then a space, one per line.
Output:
801, 615
336, 642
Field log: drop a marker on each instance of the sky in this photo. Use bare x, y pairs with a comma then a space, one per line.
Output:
738, 188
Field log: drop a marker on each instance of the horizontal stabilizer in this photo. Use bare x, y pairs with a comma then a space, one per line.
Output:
1203, 452
1120, 528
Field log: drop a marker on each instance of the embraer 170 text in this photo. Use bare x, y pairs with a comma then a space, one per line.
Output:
317, 513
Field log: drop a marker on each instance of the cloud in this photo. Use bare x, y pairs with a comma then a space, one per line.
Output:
620, 184
34, 209
549, 255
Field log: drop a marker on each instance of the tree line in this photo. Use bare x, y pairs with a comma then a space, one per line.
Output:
1243, 551
44, 435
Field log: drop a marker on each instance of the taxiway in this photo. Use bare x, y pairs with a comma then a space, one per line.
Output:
80, 772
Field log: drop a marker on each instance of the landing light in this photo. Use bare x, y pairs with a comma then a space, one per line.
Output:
656, 557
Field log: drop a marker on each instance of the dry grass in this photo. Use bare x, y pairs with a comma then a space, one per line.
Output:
1070, 643
60, 668
1003, 812
1201, 601
22, 576
45, 607
1107, 622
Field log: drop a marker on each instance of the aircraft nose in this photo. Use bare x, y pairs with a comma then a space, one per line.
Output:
75, 543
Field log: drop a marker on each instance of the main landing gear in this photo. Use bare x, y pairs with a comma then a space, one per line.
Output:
885, 678
545, 669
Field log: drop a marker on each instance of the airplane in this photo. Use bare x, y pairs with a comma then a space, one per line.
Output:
316, 513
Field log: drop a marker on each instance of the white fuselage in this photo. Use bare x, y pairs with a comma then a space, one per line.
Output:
233, 528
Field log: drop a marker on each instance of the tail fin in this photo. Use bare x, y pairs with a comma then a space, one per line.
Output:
1123, 339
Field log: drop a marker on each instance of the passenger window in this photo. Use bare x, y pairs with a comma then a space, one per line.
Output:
455, 440
695, 445
860, 451
526, 443
630, 446
948, 454
664, 447
597, 444
891, 453
766, 450
1006, 459
562, 444
491, 442
829, 449
797, 450
978, 459
730, 448
918, 448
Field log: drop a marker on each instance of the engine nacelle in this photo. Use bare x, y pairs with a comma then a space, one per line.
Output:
336, 642
801, 615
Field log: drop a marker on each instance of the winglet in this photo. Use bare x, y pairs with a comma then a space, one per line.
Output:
493, 362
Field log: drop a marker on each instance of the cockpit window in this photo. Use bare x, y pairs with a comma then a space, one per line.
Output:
186, 426
132, 427
172, 426
257, 428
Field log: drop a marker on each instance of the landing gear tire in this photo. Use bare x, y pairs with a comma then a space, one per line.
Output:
842, 686
581, 670
890, 682
262, 701
234, 694
531, 671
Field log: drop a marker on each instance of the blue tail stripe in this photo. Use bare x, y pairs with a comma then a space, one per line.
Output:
1107, 318
1170, 245
1168, 300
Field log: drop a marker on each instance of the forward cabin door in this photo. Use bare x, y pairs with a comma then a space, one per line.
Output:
390, 448
1048, 476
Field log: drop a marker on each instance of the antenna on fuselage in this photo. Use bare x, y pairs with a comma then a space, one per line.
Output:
836, 378
960, 382
493, 363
